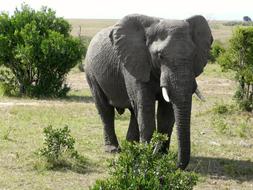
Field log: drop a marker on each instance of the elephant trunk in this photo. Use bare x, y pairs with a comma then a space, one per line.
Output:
179, 84
182, 118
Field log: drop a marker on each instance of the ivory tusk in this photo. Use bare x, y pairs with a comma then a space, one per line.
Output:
199, 95
165, 94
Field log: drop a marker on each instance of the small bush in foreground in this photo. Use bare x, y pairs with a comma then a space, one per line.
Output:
137, 167
59, 151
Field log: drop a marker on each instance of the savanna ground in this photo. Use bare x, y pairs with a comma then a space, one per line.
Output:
222, 136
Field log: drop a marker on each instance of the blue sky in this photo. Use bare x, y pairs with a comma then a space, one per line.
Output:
174, 9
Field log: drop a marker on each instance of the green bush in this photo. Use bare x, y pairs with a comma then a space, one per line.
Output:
138, 167
37, 47
59, 150
8, 82
239, 58
216, 50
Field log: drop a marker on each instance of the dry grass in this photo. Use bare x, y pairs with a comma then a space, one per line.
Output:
223, 160
221, 32
89, 27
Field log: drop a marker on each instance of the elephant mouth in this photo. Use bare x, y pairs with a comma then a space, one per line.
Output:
168, 99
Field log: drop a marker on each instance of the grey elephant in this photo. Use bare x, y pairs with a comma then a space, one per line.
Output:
141, 60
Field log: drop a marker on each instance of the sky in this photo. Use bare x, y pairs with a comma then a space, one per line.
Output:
115, 9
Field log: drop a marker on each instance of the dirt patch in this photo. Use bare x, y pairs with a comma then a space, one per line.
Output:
77, 81
37, 103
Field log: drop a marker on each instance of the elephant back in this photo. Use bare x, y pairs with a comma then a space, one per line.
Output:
100, 48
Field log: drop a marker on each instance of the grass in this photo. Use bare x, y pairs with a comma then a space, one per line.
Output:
222, 160
221, 32
89, 27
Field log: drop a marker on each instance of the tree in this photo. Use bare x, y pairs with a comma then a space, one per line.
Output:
37, 47
246, 19
239, 58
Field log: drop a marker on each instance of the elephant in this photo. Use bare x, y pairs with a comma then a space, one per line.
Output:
142, 60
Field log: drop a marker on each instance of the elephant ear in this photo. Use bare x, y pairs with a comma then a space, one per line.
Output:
202, 37
129, 41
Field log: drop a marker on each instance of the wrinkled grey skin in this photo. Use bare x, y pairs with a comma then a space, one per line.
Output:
128, 63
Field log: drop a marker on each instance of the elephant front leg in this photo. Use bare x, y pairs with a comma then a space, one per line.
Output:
146, 113
165, 122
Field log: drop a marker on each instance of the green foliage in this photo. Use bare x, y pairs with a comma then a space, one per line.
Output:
216, 50
240, 128
243, 130
221, 126
8, 82
137, 167
239, 58
221, 108
221, 121
7, 133
37, 47
59, 150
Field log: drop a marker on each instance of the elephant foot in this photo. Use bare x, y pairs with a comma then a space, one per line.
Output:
112, 149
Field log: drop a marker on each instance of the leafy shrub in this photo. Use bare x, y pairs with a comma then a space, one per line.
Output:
239, 58
59, 149
8, 82
216, 50
138, 167
37, 47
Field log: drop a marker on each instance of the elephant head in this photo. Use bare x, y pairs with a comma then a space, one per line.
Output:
176, 52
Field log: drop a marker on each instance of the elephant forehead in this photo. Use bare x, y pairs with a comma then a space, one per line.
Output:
173, 24
159, 44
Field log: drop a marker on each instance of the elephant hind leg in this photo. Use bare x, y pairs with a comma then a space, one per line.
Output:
165, 121
133, 133
107, 114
